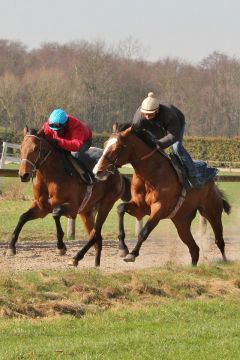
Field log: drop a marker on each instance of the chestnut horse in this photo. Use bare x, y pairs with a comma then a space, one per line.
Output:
157, 192
56, 192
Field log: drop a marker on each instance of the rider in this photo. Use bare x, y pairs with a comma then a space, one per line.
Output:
167, 124
68, 133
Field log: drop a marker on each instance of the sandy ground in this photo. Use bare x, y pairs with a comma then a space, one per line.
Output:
154, 252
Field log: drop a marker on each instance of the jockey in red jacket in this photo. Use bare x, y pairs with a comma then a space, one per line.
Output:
68, 133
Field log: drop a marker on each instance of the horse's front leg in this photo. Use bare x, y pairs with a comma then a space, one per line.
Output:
132, 209
155, 217
33, 213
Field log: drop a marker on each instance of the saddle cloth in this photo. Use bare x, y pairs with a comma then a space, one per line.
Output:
204, 173
85, 165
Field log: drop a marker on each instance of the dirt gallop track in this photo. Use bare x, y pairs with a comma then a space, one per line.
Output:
44, 256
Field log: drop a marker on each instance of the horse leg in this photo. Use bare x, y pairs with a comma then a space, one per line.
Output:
33, 213
60, 244
133, 209
183, 226
203, 225
155, 217
214, 216
95, 235
88, 221
123, 249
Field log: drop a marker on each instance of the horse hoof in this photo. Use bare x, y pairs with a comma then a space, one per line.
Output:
129, 258
62, 251
73, 262
10, 252
224, 258
123, 253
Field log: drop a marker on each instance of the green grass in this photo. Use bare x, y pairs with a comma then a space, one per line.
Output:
162, 313
178, 330
44, 229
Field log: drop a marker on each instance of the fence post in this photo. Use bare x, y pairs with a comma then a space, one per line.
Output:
138, 226
71, 229
4, 153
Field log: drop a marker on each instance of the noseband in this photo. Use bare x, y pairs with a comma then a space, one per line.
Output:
112, 167
34, 164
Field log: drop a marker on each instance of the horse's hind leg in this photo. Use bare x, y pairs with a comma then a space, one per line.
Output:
33, 213
60, 244
214, 215
183, 226
95, 236
88, 220
123, 249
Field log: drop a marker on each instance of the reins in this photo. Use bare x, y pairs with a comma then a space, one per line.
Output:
145, 156
34, 164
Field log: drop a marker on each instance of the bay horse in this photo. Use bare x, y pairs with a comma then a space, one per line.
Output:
157, 192
56, 192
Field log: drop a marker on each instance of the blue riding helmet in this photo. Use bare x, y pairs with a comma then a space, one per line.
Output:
57, 119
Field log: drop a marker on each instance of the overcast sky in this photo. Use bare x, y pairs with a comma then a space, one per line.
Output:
187, 29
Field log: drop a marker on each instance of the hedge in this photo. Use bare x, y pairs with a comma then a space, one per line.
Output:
222, 151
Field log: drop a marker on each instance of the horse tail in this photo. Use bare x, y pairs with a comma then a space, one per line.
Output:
226, 205
126, 193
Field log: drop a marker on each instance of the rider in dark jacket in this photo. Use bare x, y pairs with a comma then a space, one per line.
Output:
167, 124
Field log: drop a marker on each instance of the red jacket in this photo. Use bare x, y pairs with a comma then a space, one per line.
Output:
76, 133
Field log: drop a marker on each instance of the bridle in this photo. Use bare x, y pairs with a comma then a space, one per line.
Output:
112, 167
35, 164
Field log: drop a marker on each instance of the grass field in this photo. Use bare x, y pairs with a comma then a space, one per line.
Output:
163, 313
16, 199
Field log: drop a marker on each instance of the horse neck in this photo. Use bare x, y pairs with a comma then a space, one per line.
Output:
145, 166
52, 167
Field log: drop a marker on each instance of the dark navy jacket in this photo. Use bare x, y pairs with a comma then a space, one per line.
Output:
167, 126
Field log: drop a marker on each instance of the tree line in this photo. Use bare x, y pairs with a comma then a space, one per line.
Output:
102, 85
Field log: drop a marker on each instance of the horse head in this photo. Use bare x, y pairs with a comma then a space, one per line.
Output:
34, 150
116, 153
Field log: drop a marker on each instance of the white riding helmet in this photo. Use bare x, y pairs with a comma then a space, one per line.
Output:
150, 105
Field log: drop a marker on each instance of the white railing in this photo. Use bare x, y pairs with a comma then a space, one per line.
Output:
6, 157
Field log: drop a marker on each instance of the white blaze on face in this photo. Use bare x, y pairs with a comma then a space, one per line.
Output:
109, 144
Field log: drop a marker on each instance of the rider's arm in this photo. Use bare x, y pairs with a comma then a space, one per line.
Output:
173, 126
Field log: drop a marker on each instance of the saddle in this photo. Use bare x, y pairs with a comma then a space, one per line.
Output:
180, 170
204, 173
83, 166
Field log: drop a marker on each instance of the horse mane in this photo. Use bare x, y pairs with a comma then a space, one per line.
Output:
140, 131
33, 131
123, 126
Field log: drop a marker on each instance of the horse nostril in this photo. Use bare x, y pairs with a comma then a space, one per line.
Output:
100, 175
25, 177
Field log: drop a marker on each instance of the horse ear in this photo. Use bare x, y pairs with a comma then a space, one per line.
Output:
128, 130
115, 127
25, 130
